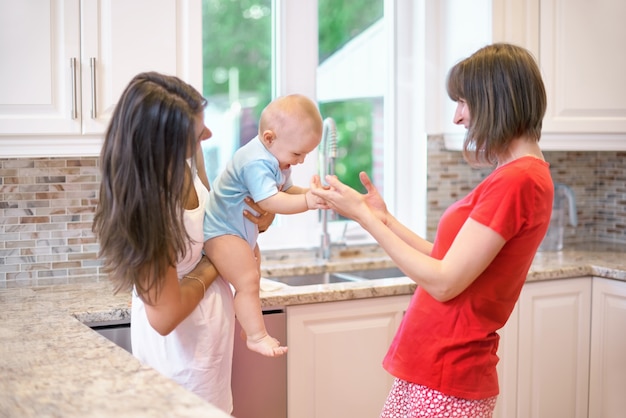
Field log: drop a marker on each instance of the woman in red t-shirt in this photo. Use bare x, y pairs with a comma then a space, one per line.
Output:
444, 353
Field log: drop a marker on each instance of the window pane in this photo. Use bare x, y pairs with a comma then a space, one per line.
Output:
351, 83
237, 74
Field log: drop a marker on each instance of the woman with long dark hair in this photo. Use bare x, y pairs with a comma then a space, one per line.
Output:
149, 225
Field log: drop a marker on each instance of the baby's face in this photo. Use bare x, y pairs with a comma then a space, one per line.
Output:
292, 146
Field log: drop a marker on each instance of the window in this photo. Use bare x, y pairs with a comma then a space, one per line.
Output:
351, 82
254, 50
237, 74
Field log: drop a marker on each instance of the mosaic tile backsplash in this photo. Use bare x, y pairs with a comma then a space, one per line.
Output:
47, 206
598, 179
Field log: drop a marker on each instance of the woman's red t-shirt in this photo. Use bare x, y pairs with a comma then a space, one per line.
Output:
451, 346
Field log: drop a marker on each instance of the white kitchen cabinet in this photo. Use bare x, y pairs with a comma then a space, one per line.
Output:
607, 378
506, 405
579, 48
548, 317
38, 38
562, 351
553, 355
65, 63
336, 349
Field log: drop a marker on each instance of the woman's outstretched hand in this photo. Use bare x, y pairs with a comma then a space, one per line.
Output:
373, 199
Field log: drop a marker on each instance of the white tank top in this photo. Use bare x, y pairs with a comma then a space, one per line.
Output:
198, 353
193, 219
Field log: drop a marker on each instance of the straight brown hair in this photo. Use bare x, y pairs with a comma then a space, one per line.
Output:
139, 216
502, 86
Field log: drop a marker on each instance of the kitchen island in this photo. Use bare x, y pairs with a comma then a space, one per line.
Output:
52, 364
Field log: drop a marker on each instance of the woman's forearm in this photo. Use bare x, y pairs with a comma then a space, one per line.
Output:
406, 249
408, 236
178, 298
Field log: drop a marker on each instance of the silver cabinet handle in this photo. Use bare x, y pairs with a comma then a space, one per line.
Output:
73, 72
92, 64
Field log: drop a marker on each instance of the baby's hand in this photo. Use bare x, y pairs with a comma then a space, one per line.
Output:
314, 202
316, 183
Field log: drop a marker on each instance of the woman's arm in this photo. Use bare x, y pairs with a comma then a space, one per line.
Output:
177, 299
377, 205
443, 279
408, 236
473, 249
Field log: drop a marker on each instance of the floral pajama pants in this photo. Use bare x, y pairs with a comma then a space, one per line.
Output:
409, 400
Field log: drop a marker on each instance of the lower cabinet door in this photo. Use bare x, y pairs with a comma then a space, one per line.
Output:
553, 362
507, 367
607, 380
334, 364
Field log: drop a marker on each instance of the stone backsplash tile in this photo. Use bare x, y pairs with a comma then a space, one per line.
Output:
46, 210
598, 179
47, 206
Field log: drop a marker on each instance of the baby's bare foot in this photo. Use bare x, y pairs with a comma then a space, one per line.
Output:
267, 345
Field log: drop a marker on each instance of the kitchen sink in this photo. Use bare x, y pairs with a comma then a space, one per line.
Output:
371, 274
338, 277
310, 279
116, 331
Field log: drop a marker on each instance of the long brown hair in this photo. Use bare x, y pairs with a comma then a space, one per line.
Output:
139, 217
505, 95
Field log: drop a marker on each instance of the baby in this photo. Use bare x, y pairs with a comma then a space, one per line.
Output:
290, 127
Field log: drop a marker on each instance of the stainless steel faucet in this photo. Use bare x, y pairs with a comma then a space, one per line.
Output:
326, 165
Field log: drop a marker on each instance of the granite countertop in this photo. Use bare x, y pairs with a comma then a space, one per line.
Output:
589, 259
52, 364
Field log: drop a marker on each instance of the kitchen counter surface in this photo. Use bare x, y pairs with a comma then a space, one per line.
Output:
53, 365
590, 259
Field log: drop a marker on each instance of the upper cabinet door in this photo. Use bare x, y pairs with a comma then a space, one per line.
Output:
581, 52
579, 46
66, 62
40, 71
123, 38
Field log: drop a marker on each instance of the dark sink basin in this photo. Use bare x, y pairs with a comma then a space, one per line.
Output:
339, 277
373, 274
309, 279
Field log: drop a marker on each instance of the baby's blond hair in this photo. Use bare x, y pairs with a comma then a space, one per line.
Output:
286, 110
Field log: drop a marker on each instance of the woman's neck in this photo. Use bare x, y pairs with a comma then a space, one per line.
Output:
191, 199
521, 147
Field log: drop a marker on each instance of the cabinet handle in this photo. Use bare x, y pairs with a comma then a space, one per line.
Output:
92, 64
73, 75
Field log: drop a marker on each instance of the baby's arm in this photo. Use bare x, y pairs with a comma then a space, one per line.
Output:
291, 201
296, 190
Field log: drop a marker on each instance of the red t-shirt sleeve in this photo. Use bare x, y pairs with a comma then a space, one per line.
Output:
502, 205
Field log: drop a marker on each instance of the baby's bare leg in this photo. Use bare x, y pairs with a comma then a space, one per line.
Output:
236, 262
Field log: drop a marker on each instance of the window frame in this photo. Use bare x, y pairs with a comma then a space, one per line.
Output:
295, 44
